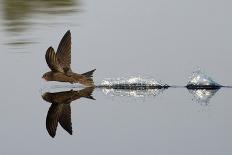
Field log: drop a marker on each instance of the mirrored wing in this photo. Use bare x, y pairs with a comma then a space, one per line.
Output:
65, 118
64, 51
52, 61
52, 119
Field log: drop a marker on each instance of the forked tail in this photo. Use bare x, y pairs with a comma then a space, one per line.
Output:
85, 78
87, 93
89, 73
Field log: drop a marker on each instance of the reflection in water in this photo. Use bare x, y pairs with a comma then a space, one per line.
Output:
130, 83
17, 13
60, 110
203, 96
138, 93
135, 86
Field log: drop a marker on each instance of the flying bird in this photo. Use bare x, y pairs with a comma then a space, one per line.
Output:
60, 110
60, 62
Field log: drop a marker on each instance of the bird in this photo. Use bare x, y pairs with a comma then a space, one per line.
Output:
60, 64
60, 109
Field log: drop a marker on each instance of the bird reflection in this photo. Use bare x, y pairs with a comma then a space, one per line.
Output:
203, 96
60, 110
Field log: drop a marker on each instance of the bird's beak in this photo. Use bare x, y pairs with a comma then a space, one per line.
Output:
44, 95
43, 78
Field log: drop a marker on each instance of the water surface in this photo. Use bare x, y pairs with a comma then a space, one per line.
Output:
162, 39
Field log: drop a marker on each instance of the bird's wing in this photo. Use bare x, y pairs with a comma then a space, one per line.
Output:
52, 119
52, 60
65, 118
64, 51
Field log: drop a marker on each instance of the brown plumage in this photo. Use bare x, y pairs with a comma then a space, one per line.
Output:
60, 62
60, 110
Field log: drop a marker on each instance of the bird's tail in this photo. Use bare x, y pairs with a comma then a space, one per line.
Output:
87, 93
85, 78
89, 73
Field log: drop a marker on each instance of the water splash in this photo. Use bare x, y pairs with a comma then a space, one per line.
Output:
131, 83
203, 96
138, 87
199, 78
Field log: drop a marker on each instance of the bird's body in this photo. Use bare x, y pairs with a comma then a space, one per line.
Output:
70, 77
60, 62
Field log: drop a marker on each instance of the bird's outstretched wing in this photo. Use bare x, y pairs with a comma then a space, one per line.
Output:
52, 60
64, 51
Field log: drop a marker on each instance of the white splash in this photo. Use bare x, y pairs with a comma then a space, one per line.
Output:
200, 78
130, 81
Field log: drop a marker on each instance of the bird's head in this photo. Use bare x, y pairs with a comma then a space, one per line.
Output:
47, 97
47, 76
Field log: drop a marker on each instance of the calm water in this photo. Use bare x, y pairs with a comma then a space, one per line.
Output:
163, 39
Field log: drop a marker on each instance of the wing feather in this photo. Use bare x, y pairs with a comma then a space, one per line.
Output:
52, 61
65, 118
64, 51
52, 119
